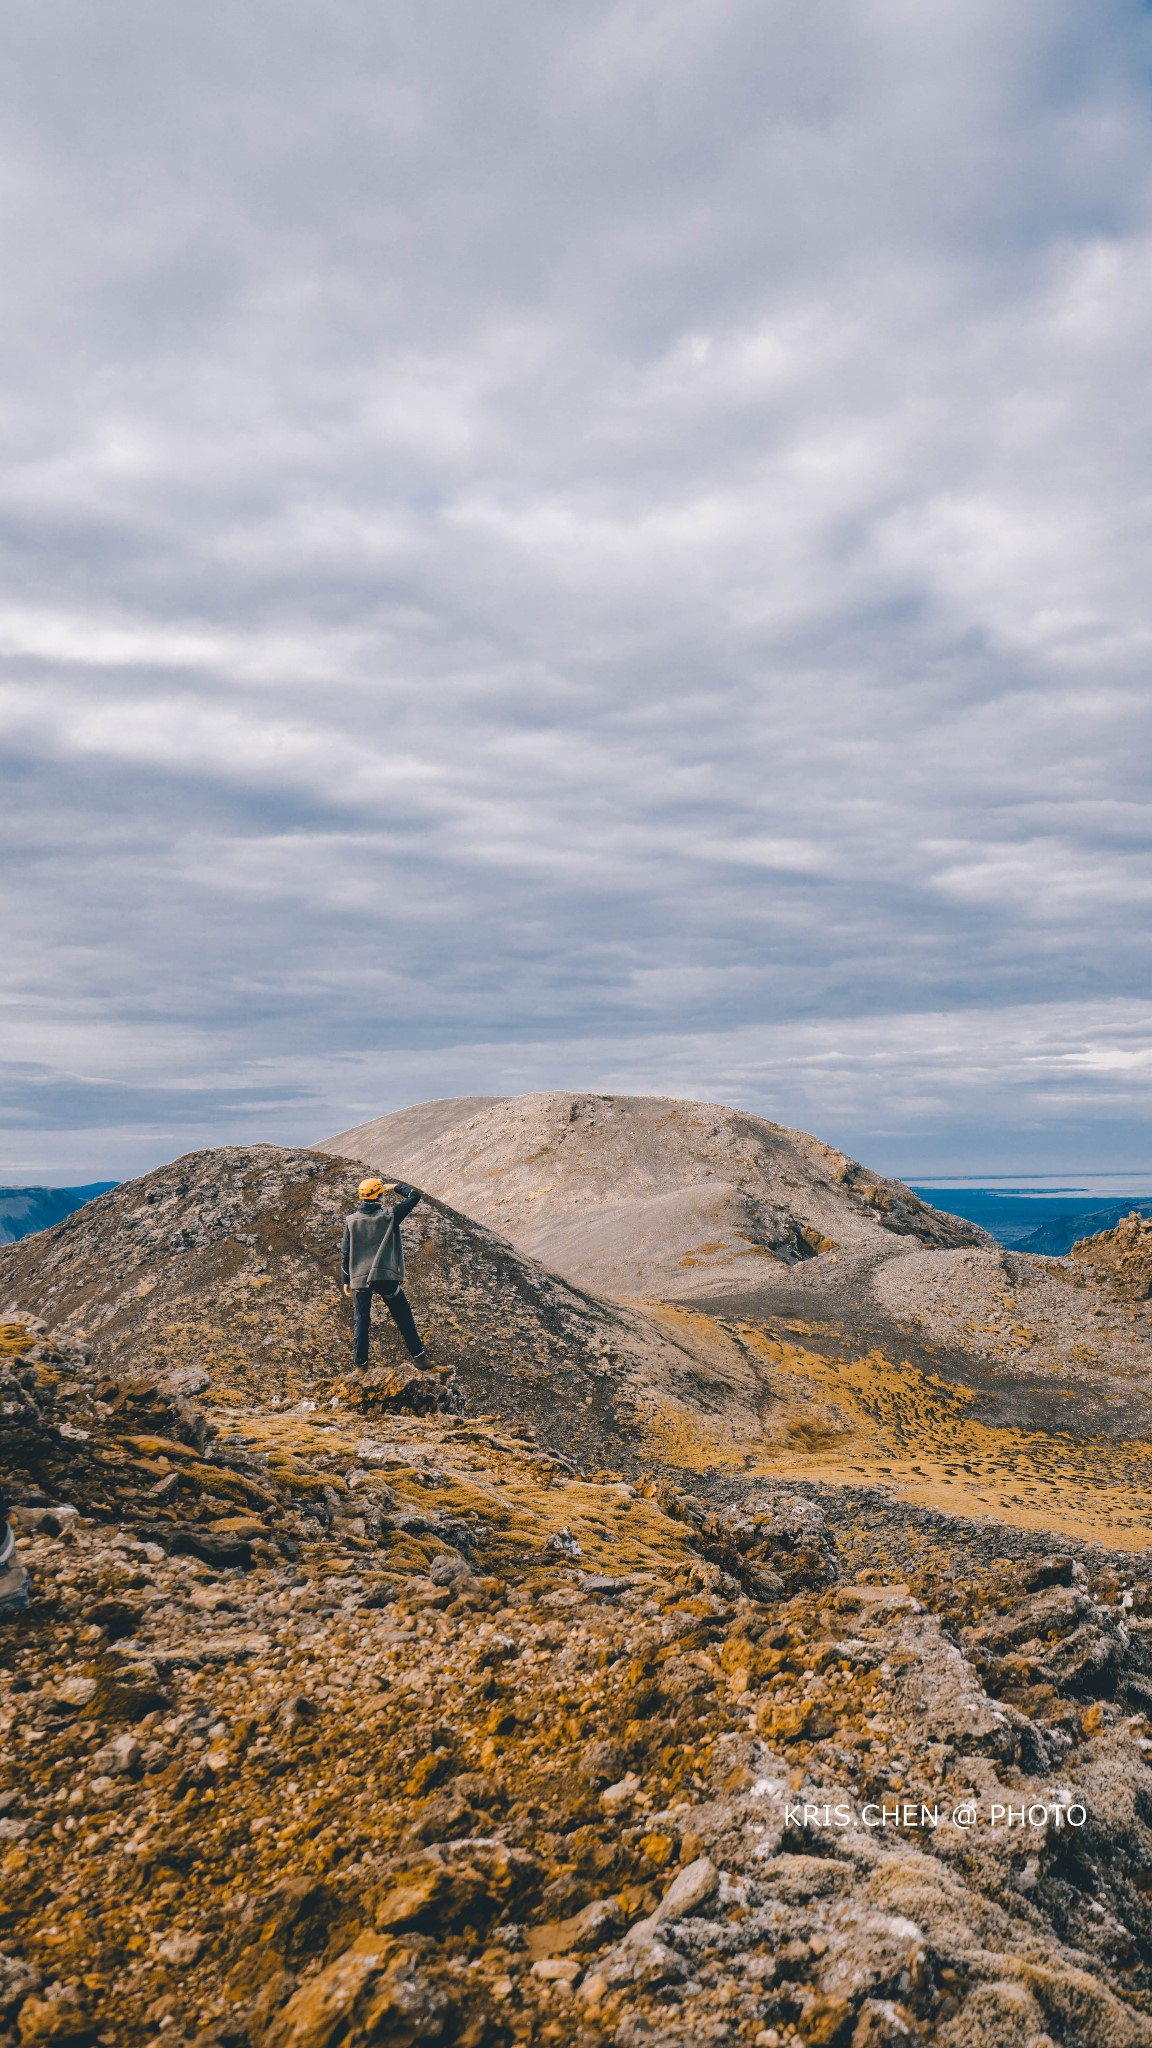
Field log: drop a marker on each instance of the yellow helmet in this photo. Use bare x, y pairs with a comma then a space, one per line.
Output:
370, 1190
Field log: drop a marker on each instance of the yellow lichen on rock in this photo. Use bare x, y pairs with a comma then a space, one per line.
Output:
1122, 1255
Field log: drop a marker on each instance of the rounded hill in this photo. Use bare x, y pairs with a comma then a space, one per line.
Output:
641, 1195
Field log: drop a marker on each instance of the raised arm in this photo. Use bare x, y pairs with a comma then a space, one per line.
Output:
409, 1198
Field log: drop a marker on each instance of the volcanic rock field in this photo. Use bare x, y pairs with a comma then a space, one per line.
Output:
743, 1633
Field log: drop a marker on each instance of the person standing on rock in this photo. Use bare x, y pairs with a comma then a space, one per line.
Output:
372, 1262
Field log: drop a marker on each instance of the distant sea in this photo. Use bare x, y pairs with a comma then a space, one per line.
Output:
1045, 1214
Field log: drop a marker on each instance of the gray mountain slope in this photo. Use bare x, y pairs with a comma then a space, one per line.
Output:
410, 1131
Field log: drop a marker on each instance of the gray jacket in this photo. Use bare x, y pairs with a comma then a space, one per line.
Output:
372, 1253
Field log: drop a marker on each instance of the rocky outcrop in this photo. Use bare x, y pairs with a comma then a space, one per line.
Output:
1123, 1256
1037, 1315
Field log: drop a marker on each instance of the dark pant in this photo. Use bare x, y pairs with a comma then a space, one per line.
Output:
396, 1302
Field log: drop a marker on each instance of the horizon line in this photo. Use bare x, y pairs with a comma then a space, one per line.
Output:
1102, 1173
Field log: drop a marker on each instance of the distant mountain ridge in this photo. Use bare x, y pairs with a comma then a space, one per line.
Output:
26, 1210
1057, 1236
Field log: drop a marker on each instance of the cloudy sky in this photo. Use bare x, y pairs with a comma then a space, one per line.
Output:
602, 544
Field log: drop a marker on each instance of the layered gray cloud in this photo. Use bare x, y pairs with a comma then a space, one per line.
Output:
595, 544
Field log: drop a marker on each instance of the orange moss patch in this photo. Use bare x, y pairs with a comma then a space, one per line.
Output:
617, 1531
871, 1418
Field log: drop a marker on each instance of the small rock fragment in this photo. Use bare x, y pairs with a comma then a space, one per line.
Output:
641, 1959
688, 1891
617, 1798
181, 1949
17, 1980
584, 1930
73, 1693
557, 1970
122, 1754
604, 1763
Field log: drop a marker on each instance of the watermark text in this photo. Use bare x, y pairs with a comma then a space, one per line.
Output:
913, 1813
